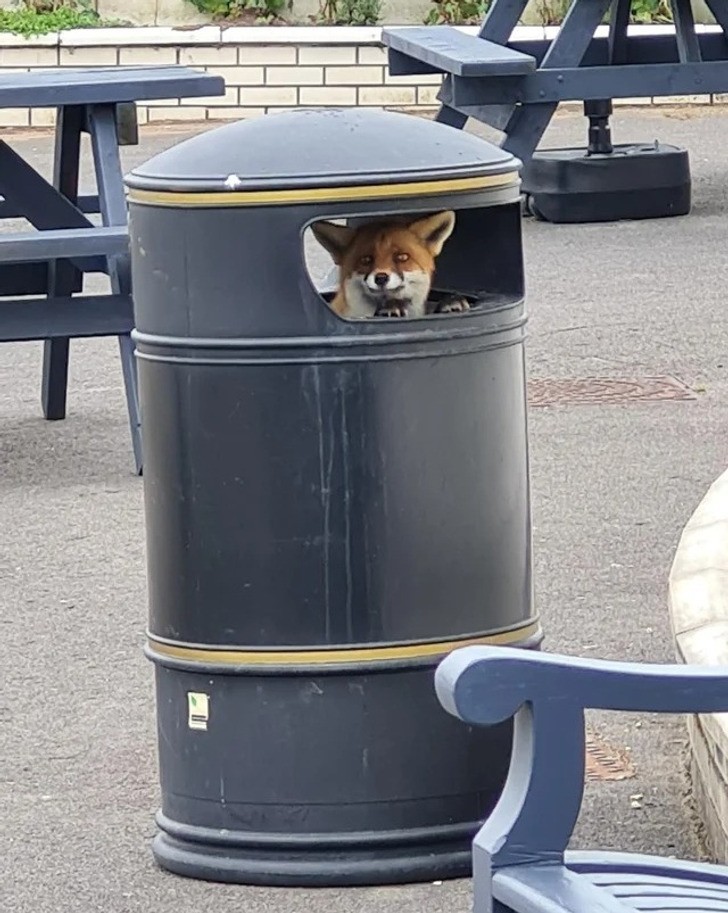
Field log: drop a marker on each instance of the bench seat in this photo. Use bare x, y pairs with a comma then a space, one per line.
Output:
63, 243
441, 48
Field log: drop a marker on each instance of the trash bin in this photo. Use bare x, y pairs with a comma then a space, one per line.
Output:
332, 504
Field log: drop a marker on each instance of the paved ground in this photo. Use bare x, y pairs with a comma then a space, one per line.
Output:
612, 485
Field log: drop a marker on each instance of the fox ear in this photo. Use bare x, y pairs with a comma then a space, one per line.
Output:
434, 230
333, 238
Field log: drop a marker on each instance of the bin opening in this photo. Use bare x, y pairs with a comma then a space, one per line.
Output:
387, 267
440, 264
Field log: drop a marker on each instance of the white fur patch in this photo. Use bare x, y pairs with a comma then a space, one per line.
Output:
394, 282
363, 296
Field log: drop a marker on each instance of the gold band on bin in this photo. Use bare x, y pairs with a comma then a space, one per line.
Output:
335, 656
216, 199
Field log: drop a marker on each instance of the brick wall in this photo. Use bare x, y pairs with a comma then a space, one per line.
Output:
259, 77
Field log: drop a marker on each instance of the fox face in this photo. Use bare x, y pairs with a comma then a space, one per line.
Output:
385, 268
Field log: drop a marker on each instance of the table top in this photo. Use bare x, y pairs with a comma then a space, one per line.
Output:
98, 85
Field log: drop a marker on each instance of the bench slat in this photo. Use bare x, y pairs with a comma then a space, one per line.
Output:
30, 279
546, 888
45, 318
448, 50
104, 85
584, 83
63, 243
88, 204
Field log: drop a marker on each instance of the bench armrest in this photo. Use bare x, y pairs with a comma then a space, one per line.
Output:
486, 685
547, 695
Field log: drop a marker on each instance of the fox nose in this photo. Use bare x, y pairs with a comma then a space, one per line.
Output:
381, 279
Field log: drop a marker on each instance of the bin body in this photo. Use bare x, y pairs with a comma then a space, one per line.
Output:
331, 507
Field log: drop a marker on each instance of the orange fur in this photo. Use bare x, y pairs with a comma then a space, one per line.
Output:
403, 254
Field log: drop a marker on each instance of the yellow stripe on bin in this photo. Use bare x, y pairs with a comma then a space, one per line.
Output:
334, 656
320, 194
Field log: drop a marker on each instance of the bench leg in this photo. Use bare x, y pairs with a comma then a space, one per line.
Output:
688, 47
101, 123
528, 123
449, 116
66, 166
524, 125
618, 26
720, 13
500, 20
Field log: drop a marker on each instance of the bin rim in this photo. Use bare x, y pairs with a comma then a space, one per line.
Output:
319, 156
203, 194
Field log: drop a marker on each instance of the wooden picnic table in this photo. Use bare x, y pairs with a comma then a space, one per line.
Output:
516, 85
41, 272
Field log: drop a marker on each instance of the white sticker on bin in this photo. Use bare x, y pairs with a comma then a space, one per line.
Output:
198, 710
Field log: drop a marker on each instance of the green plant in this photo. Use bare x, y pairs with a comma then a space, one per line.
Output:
261, 10
360, 12
350, 12
644, 11
38, 17
551, 12
457, 12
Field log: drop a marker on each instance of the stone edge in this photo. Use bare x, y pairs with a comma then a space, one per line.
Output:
698, 608
260, 35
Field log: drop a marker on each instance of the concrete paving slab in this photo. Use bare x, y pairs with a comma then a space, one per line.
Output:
613, 485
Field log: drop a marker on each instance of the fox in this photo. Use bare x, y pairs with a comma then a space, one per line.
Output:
386, 269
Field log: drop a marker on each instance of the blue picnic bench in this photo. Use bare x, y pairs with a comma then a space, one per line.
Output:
520, 860
42, 272
516, 86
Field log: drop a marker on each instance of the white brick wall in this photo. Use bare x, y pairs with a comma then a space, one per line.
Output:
330, 96
267, 56
260, 77
208, 57
354, 76
294, 76
331, 56
148, 56
239, 76
10, 117
270, 96
88, 57
25, 57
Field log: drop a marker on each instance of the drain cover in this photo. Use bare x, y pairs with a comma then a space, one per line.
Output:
597, 390
605, 762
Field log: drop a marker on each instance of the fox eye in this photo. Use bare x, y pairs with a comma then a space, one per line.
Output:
366, 260
401, 258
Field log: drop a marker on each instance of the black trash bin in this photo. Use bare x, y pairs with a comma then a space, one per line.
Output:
332, 505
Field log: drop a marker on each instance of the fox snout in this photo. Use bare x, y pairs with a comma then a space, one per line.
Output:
383, 281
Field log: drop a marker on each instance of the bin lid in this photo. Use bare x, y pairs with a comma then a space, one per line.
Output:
339, 149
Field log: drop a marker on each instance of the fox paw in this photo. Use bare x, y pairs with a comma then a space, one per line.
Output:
391, 310
453, 304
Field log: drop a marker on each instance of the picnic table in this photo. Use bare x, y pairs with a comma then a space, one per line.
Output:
516, 86
42, 271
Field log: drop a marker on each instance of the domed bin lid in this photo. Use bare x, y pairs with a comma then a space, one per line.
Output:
351, 152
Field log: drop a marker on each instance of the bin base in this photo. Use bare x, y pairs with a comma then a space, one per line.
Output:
346, 774
635, 181
439, 854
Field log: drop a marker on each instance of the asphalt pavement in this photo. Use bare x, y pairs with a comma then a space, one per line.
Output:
613, 485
